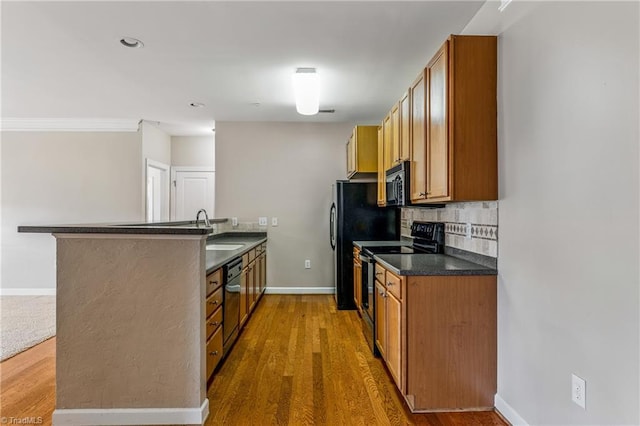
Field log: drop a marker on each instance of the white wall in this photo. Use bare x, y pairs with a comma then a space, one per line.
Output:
283, 170
156, 144
58, 178
569, 247
193, 151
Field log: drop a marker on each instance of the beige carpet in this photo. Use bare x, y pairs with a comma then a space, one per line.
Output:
25, 321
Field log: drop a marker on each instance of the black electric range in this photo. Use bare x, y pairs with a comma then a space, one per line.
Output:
428, 238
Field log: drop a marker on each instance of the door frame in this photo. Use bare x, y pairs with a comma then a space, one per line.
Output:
165, 168
176, 169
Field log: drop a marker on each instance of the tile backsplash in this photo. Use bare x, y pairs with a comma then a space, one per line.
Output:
482, 215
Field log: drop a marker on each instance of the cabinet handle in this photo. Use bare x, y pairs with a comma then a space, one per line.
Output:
214, 353
213, 302
214, 323
378, 273
213, 282
389, 283
422, 194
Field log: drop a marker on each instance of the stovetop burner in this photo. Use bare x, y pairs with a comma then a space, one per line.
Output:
428, 238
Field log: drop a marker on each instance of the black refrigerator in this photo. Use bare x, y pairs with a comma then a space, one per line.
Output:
355, 215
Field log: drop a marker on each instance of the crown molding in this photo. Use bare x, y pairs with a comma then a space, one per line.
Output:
68, 125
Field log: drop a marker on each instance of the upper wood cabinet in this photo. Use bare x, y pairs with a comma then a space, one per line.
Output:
404, 145
382, 187
460, 155
387, 141
418, 170
362, 151
395, 135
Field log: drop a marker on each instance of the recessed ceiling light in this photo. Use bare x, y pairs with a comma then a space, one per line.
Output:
196, 104
131, 42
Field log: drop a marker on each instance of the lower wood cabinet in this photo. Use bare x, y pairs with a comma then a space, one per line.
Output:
381, 319
389, 323
214, 351
357, 279
213, 321
437, 336
252, 285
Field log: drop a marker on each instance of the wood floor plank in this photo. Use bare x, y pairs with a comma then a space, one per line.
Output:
299, 361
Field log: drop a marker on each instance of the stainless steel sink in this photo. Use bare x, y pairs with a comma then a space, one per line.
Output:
224, 246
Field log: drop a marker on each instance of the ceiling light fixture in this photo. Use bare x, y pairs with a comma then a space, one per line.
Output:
306, 87
131, 42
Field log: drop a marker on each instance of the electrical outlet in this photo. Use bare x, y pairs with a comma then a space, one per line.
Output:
579, 391
467, 231
234, 221
262, 221
274, 221
307, 264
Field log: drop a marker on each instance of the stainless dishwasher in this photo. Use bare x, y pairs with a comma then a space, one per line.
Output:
231, 305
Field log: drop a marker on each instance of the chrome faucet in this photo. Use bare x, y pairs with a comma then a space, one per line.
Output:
206, 218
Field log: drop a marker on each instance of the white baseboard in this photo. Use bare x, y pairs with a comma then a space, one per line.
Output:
132, 416
299, 290
508, 412
27, 291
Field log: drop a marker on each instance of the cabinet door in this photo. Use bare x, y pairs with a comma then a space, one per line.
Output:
393, 338
252, 286
351, 158
244, 289
263, 272
387, 134
381, 307
437, 128
405, 128
395, 134
357, 285
418, 169
382, 187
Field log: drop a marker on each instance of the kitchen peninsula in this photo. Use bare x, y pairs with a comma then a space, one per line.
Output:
131, 318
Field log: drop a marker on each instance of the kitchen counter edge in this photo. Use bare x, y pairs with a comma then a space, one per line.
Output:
160, 228
431, 265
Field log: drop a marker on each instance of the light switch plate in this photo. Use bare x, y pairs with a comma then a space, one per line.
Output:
234, 221
262, 221
274, 221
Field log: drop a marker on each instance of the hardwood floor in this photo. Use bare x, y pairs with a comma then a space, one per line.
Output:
298, 361
301, 361
28, 383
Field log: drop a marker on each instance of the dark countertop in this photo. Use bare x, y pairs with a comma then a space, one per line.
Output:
361, 244
218, 258
431, 264
174, 228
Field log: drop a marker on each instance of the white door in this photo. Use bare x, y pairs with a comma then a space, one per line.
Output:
157, 194
193, 188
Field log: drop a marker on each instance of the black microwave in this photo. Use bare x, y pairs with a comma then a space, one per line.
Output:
397, 179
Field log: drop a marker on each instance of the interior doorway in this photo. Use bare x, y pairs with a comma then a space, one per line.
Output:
157, 191
192, 189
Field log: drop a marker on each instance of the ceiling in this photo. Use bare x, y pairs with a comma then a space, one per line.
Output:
63, 60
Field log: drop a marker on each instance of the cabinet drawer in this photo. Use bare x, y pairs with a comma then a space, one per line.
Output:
214, 321
214, 301
393, 285
380, 274
214, 351
214, 280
